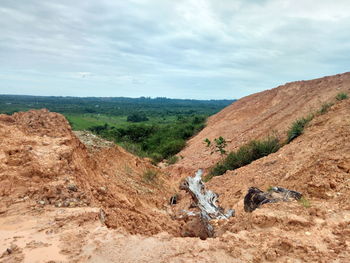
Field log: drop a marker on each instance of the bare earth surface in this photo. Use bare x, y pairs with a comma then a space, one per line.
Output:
65, 199
259, 115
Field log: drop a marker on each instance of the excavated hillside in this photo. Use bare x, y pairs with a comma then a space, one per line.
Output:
45, 168
42, 159
67, 197
258, 116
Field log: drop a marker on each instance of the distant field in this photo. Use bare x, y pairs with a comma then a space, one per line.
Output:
86, 121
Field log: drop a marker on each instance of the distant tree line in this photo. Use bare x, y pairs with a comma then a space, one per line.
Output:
118, 106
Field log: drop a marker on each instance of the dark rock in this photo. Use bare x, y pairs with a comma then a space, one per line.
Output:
255, 197
102, 190
173, 199
72, 187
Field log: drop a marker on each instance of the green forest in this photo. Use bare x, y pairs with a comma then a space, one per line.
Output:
149, 127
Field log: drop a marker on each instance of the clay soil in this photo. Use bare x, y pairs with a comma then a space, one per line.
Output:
68, 197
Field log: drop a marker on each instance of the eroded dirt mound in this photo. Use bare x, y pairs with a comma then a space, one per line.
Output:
258, 116
41, 160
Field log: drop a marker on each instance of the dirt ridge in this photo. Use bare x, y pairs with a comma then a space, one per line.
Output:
259, 115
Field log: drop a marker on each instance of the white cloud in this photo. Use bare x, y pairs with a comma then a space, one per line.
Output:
170, 48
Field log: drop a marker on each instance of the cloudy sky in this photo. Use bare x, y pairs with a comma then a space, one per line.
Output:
199, 49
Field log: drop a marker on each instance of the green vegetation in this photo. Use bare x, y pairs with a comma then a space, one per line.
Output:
153, 108
297, 127
341, 96
137, 117
155, 141
325, 107
245, 155
172, 160
220, 144
208, 142
157, 128
257, 149
304, 202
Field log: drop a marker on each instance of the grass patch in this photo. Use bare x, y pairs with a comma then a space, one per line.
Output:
297, 127
133, 148
246, 154
269, 189
150, 175
342, 96
172, 160
325, 107
304, 202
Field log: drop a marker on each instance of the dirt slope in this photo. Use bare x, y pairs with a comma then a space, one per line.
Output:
42, 160
316, 164
259, 115
62, 201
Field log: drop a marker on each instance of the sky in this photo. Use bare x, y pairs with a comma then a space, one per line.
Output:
198, 49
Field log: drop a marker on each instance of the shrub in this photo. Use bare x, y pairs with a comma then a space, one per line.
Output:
171, 148
137, 117
297, 128
208, 142
219, 169
136, 133
150, 175
245, 155
265, 147
325, 107
172, 160
157, 141
341, 96
133, 148
304, 202
156, 158
220, 144
98, 129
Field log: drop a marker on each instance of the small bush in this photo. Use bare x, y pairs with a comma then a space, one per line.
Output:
150, 175
246, 154
156, 158
137, 117
297, 128
341, 96
269, 189
304, 202
172, 160
208, 142
171, 148
132, 148
325, 107
220, 144
207, 177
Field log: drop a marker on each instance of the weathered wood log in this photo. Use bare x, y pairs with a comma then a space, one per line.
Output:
255, 197
206, 201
